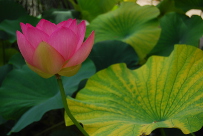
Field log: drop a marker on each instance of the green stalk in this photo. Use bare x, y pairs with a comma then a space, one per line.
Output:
65, 104
162, 132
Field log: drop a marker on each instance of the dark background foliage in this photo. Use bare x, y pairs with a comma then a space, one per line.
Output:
12, 12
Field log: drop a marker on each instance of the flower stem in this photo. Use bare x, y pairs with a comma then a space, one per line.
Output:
162, 132
65, 104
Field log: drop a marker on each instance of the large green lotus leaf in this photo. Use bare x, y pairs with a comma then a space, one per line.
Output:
107, 53
26, 95
130, 23
165, 92
178, 29
189, 4
92, 8
16, 61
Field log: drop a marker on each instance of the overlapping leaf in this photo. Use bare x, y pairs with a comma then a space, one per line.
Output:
189, 4
166, 6
131, 23
165, 92
178, 29
27, 96
107, 53
11, 26
92, 8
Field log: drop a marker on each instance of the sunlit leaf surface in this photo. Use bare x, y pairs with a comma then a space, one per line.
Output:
165, 92
130, 23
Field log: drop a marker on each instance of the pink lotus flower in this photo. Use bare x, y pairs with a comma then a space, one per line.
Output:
51, 49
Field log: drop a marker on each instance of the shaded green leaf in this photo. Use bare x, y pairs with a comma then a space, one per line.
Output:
17, 61
4, 70
166, 6
92, 8
178, 29
26, 95
2, 120
166, 92
3, 35
186, 5
10, 52
107, 53
6, 54
11, 26
130, 23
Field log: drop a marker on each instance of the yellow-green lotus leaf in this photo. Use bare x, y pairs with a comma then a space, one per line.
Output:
131, 23
165, 92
